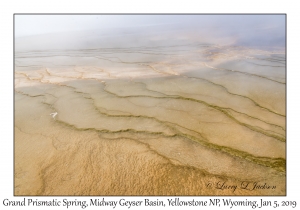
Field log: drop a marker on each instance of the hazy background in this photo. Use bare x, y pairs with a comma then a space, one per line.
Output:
34, 32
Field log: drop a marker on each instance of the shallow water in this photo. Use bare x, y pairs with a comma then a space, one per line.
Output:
165, 120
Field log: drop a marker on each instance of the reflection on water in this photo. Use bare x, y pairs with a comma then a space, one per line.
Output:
164, 119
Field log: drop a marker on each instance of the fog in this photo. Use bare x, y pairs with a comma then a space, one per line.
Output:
90, 31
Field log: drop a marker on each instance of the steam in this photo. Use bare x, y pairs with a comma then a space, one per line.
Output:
88, 31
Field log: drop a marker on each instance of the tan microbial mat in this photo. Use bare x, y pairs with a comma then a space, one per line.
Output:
140, 111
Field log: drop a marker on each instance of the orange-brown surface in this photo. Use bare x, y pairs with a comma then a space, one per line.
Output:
194, 119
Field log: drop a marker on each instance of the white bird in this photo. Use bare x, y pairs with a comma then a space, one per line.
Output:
53, 114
